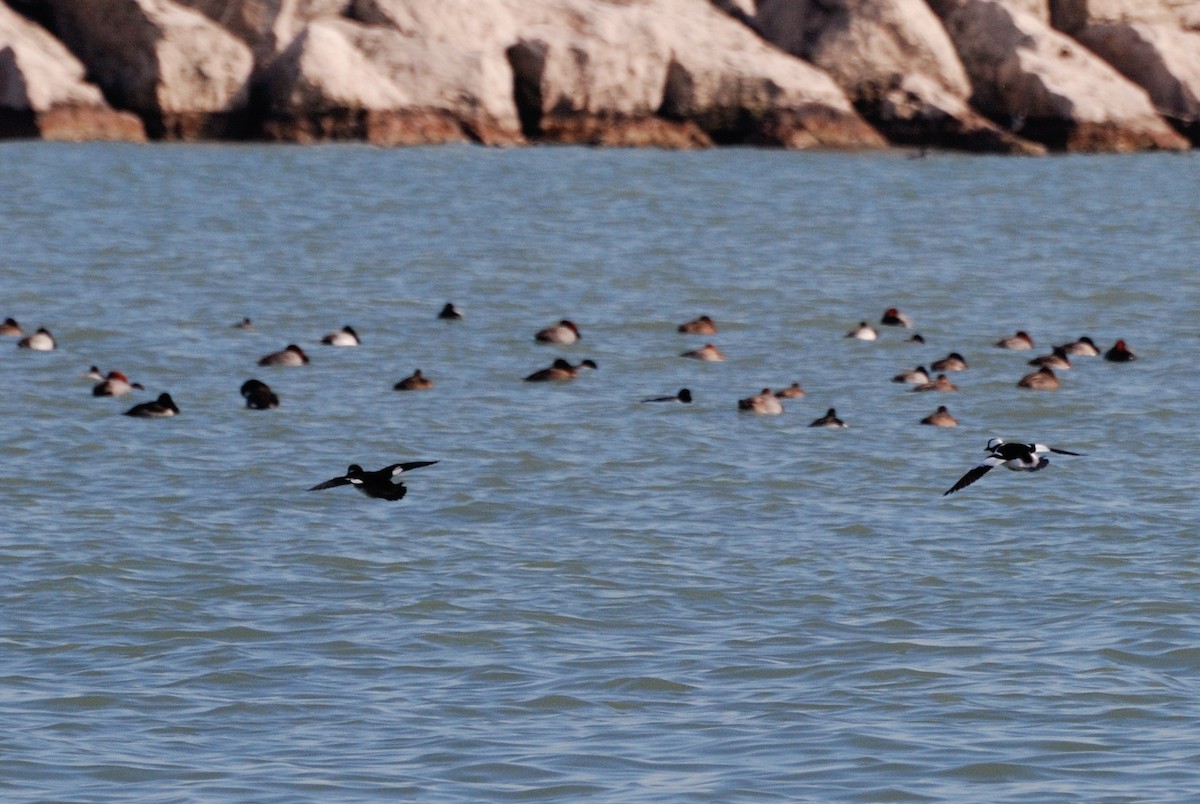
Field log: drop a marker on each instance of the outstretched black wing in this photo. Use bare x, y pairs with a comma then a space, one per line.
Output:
1064, 452
401, 468
332, 483
976, 473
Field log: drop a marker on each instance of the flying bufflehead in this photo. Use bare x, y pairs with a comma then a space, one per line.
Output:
1017, 457
381, 483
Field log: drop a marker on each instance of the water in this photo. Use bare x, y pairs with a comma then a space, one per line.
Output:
588, 597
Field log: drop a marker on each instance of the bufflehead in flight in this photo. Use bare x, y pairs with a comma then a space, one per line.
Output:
1017, 457
381, 483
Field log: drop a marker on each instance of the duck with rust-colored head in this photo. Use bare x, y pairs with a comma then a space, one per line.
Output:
1120, 353
115, 384
699, 326
560, 370
894, 318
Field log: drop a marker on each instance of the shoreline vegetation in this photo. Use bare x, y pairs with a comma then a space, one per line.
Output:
988, 76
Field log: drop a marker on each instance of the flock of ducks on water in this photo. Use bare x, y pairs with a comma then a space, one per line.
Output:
385, 484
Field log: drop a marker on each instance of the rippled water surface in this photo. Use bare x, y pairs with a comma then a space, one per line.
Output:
589, 597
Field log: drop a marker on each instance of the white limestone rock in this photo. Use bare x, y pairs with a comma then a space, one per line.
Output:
182, 73
897, 64
44, 91
1047, 86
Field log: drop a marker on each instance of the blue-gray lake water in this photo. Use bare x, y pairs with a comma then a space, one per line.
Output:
588, 597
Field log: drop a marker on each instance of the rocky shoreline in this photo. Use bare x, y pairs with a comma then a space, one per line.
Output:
993, 76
